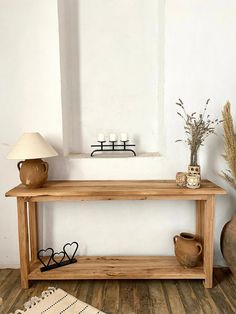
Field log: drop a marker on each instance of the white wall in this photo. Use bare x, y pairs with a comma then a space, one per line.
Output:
112, 73
199, 63
29, 94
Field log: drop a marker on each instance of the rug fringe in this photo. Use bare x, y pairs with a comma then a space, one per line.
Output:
35, 300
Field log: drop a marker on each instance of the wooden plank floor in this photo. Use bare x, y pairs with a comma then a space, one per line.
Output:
131, 296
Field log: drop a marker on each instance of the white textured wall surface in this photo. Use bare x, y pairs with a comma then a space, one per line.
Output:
200, 51
112, 73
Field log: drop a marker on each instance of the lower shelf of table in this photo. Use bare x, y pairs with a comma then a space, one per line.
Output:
119, 267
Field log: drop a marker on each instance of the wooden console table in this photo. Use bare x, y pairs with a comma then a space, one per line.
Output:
115, 267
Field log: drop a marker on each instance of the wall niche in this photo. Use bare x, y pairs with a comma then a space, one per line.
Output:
112, 72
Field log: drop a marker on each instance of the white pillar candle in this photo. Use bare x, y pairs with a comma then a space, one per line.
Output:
101, 137
123, 137
112, 137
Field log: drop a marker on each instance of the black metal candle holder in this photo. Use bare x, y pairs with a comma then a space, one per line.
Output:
63, 257
113, 147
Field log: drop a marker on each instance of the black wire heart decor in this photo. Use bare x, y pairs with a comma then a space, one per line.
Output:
58, 259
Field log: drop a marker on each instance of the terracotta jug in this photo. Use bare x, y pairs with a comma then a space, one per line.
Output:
33, 172
188, 250
228, 243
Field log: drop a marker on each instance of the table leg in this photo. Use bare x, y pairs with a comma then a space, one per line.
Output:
33, 227
23, 241
200, 205
208, 251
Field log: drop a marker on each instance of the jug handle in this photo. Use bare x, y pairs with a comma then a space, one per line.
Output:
199, 247
46, 166
19, 164
175, 238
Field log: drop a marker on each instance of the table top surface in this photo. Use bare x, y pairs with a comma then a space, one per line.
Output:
113, 188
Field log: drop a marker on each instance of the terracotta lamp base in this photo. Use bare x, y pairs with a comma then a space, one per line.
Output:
33, 172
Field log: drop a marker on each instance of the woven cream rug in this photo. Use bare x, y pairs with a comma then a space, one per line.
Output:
57, 301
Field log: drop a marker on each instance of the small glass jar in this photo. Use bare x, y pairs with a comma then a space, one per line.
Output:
181, 179
193, 181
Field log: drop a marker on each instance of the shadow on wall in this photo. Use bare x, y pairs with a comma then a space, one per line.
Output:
68, 12
214, 163
212, 152
59, 169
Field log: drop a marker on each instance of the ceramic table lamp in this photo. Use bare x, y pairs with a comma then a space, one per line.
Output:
33, 170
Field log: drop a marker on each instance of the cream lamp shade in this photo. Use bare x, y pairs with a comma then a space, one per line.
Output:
31, 146
33, 170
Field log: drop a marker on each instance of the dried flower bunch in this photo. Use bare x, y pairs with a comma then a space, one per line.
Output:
230, 145
197, 128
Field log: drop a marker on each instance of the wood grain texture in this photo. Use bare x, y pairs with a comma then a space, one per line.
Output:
120, 267
110, 299
117, 189
127, 301
10, 289
208, 247
33, 228
221, 299
200, 206
116, 267
114, 197
188, 297
158, 298
142, 293
97, 288
23, 241
204, 299
224, 278
173, 299
131, 296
